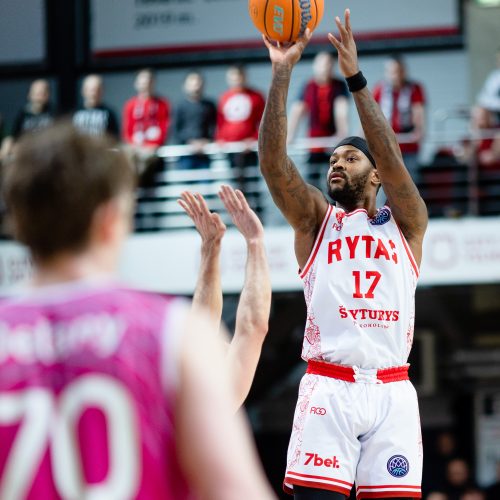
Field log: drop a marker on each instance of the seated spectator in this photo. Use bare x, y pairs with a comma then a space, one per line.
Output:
402, 101
489, 96
484, 147
324, 100
436, 495
34, 115
458, 479
194, 124
95, 118
473, 494
145, 125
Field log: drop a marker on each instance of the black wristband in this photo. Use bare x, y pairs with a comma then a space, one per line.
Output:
356, 82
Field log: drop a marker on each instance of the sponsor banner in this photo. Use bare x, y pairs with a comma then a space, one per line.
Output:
128, 27
22, 31
457, 251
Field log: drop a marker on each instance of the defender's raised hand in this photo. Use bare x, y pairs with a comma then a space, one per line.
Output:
287, 54
346, 46
244, 218
208, 224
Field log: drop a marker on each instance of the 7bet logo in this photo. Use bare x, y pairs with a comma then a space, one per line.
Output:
317, 461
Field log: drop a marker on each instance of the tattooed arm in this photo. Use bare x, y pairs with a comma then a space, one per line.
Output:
405, 201
302, 205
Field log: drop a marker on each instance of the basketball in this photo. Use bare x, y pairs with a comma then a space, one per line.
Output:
285, 20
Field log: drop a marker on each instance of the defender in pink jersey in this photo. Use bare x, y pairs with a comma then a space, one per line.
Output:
356, 420
105, 392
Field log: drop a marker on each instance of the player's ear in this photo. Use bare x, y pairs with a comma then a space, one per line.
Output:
375, 179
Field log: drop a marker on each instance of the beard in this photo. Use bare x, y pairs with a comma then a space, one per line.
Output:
350, 194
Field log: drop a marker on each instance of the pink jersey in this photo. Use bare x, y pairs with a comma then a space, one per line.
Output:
359, 285
88, 376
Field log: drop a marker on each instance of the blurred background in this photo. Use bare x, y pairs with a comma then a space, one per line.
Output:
433, 65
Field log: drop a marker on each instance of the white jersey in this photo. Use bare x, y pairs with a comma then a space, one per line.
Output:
359, 285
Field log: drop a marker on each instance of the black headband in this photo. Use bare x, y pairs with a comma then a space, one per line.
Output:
358, 143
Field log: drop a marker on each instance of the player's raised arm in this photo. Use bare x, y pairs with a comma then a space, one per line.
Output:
252, 317
213, 443
405, 201
208, 292
303, 205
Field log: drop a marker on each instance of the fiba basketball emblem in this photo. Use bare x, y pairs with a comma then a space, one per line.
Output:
398, 466
381, 217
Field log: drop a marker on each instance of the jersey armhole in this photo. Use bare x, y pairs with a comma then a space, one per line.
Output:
411, 257
172, 333
317, 243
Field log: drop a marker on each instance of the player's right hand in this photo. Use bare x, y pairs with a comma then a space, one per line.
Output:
244, 218
288, 55
208, 224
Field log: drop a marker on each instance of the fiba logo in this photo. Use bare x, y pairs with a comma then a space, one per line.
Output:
381, 217
398, 466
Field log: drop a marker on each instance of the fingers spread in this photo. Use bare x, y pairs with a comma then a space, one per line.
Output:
347, 20
334, 41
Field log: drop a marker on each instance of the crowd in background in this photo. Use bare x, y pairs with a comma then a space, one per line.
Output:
149, 120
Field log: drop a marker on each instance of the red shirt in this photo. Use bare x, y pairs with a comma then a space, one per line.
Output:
238, 115
320, 100
146, 121
397, 106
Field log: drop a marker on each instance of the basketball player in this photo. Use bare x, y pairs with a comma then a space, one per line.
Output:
252, 316
356, 418
105, 392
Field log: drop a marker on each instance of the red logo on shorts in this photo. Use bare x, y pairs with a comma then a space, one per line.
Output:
317, 461
317, 410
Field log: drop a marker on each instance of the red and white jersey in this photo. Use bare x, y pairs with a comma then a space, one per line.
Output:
359, 285
88, 378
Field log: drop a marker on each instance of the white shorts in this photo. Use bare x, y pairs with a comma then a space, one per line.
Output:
346, 432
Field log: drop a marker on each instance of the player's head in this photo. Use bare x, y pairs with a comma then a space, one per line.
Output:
92, 90
395, 71
145, 81
352, 173
39, 94
68, 193
193, 84
236, 77
322, 67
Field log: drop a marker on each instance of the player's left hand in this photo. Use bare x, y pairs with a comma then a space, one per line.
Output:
287, 54
244, 218
208, 224
346, 46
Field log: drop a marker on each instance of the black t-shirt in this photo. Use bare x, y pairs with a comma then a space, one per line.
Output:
97, 121
195, 120
27, 121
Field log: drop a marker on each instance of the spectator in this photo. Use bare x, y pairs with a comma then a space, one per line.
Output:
489, 96
436, 495
34, 115
457, 480
473, 494
437, 458
195, 120
239, 111
402, 102
145, 125
487, 147
324, 99
94, 118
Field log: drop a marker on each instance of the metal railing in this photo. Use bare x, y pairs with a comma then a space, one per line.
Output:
449, 187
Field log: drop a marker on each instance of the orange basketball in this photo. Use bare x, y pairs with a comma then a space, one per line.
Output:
285, 20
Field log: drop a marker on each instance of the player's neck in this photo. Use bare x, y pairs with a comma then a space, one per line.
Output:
69, 267
367, 204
